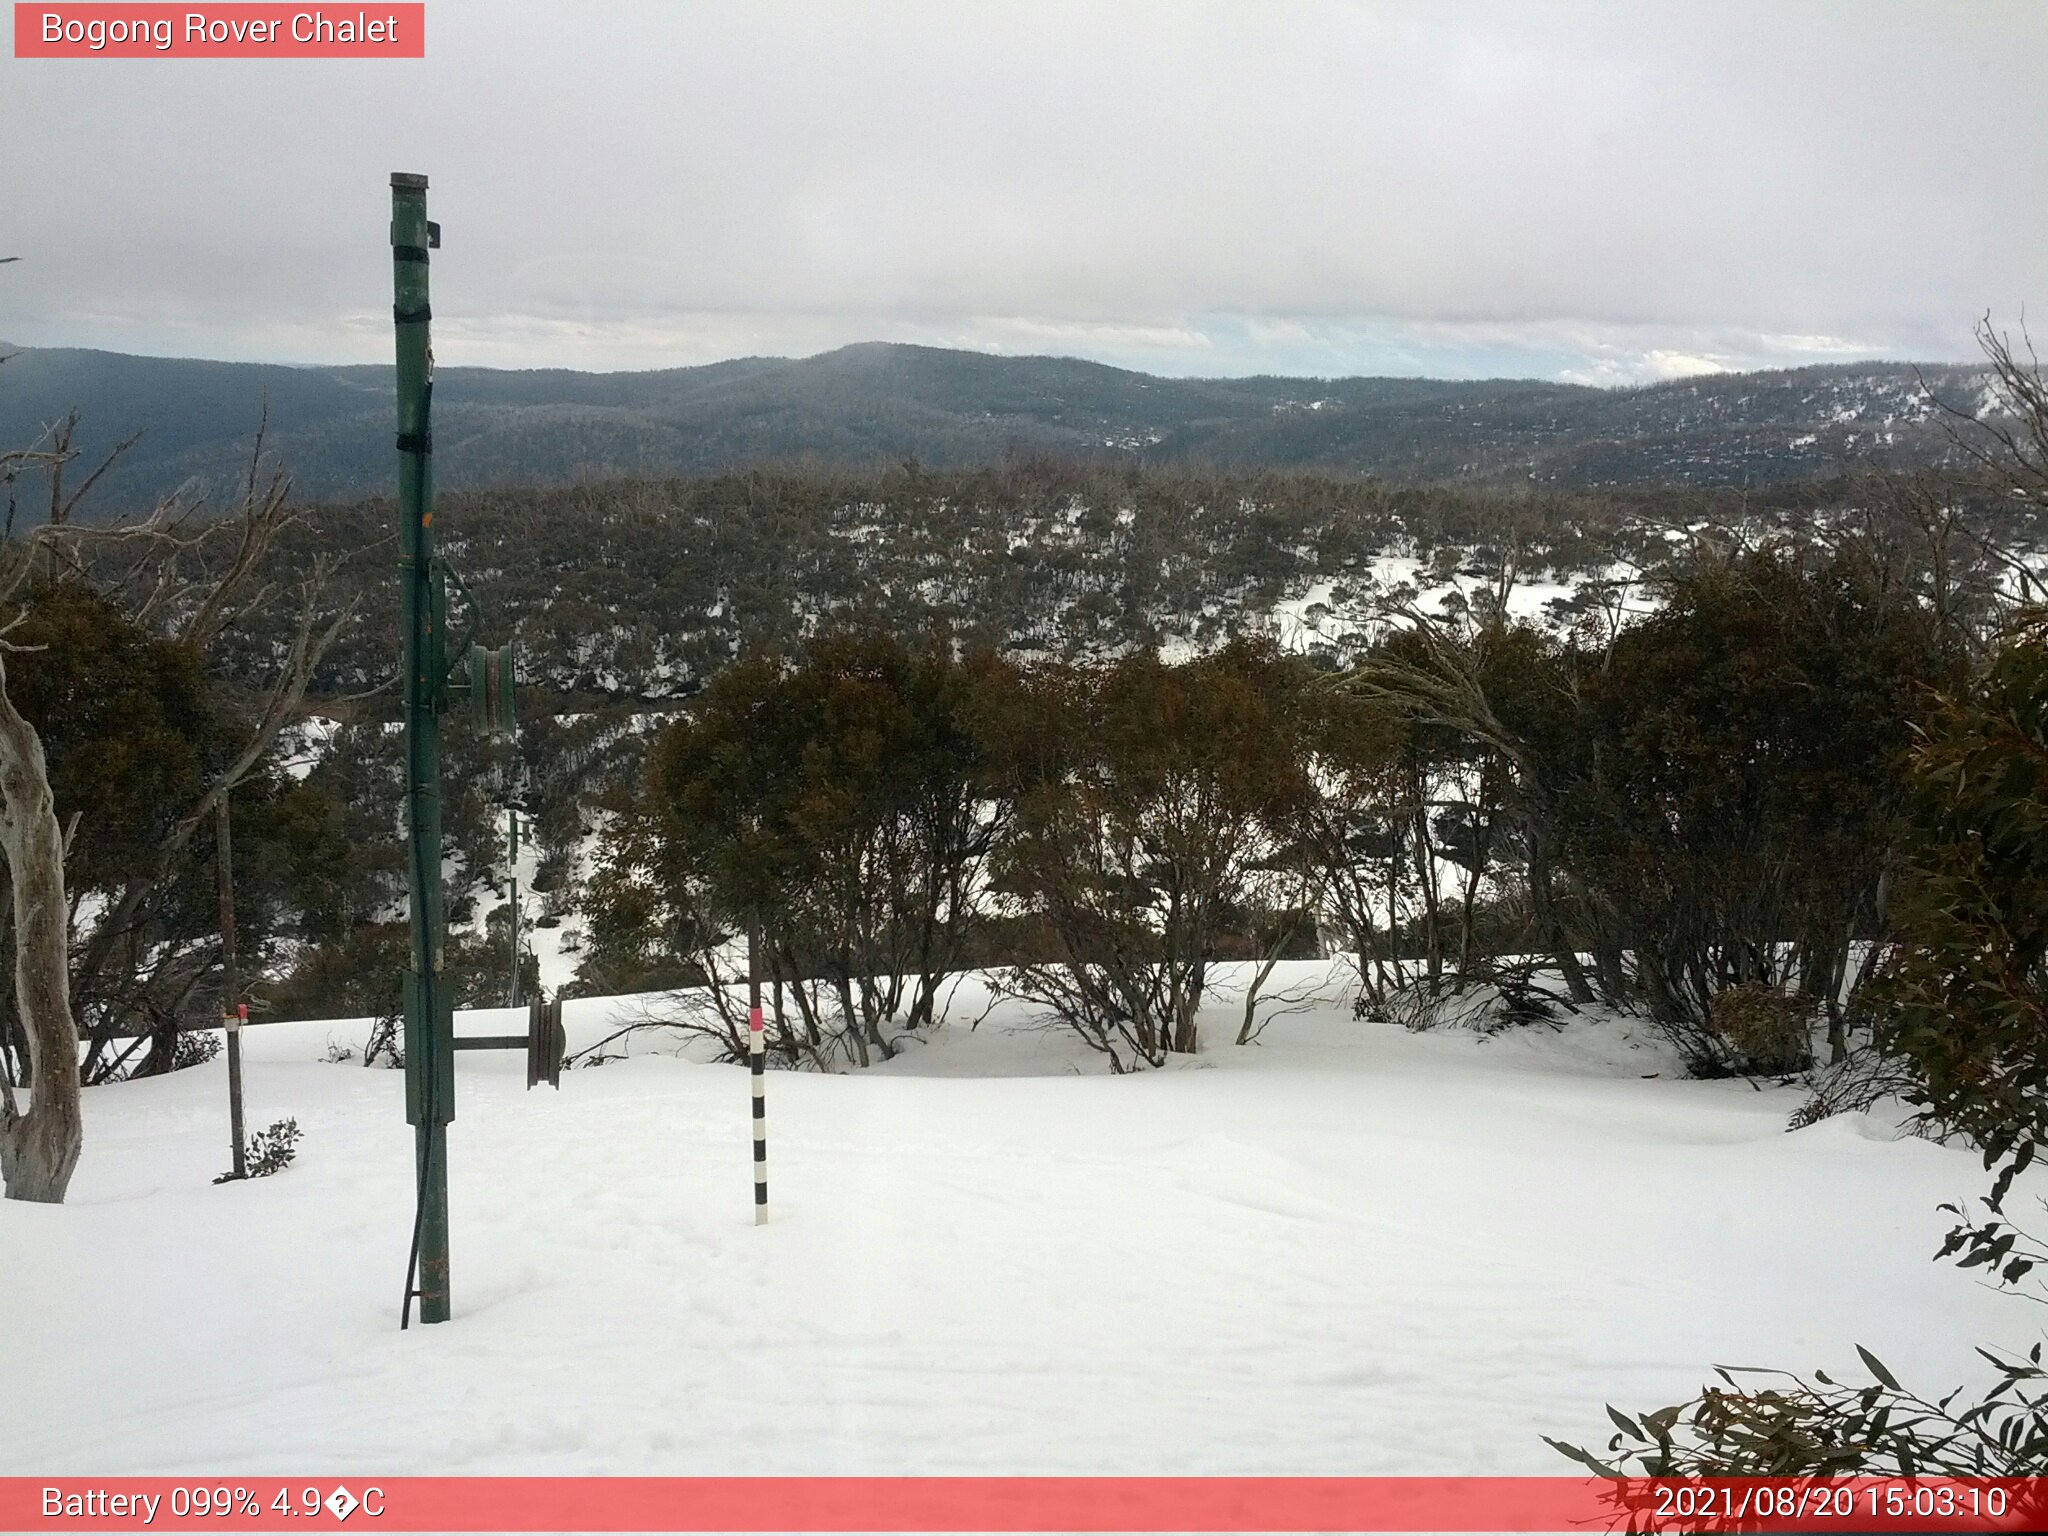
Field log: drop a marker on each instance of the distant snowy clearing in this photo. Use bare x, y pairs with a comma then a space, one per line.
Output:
1346, 1249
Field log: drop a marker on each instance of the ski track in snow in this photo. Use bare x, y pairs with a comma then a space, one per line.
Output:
1344, 1250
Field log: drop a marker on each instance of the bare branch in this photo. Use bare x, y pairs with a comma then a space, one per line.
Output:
62, 515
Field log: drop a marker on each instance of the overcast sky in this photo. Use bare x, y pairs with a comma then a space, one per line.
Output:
1606, 193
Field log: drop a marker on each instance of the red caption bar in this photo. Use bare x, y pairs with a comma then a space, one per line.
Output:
103, 31
1576, 1505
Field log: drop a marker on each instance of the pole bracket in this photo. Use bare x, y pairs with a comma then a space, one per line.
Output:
546, 1042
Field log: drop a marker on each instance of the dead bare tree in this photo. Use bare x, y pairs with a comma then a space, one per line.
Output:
2011, 449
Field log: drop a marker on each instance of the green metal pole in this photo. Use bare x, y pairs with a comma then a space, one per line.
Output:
429, 1032
512, 833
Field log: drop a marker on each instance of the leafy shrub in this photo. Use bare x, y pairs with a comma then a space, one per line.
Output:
1523, 1001
1825, 1428
195, 1049
1420, 1006
1765, 1030
1969, 1001
269, 1151
1862, 1082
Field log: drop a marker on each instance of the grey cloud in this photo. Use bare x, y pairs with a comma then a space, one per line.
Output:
1604, 192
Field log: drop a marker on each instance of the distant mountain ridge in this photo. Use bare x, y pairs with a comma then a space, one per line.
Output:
883, 402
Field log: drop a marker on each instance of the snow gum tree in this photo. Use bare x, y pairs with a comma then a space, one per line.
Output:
1469, 734
839, 808
1149, 797
38, 1148
1740, 810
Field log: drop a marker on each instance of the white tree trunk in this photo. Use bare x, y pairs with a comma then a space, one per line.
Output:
38, 1150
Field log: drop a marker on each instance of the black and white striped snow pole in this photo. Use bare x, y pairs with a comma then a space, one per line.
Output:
757, 1056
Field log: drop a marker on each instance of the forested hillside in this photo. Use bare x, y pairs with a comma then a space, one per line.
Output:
882, 404
626, 599
632, 592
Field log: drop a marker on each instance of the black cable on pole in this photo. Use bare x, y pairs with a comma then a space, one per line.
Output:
412, 1262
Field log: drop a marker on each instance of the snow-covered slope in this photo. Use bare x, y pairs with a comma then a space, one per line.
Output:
1346, 1249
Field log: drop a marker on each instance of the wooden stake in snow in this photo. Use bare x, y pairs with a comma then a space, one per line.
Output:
234, 1013
234, 1022
757, 1056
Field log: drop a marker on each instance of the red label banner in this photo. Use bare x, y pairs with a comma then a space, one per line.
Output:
120, 31
1578, 1505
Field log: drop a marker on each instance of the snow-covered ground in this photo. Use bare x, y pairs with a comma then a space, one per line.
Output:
1345, 1249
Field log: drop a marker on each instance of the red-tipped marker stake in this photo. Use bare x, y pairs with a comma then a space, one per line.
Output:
757, 1055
